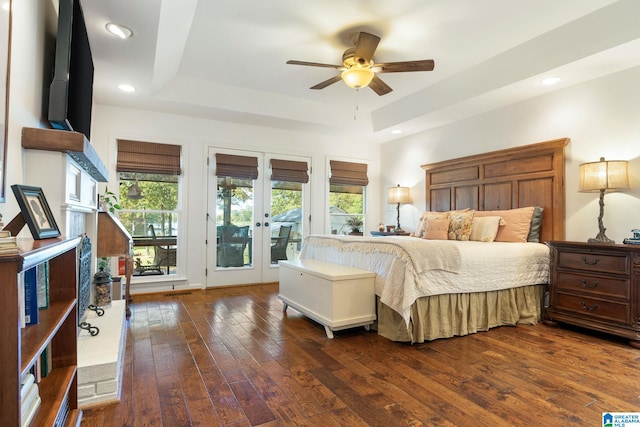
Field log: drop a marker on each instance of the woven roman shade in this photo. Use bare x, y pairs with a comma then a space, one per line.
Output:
148, 157
347, 173
289, 171
236, 166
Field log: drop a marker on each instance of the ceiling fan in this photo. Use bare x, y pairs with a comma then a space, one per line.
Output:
359, 70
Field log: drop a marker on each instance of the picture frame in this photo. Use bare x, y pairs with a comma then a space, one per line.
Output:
36, 212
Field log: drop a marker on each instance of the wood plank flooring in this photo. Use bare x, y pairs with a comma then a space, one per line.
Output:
230, 357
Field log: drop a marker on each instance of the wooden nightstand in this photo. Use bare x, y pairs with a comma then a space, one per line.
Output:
596, 286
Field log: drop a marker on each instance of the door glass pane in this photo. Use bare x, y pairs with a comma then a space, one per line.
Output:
234, 221
286, 220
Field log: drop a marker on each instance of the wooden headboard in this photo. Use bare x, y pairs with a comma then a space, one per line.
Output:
531, 175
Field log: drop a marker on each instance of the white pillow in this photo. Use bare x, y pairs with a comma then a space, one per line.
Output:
485, 228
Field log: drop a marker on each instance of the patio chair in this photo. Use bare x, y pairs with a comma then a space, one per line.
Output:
232, 242
279, 244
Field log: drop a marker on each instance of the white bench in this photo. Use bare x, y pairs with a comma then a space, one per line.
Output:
335, 296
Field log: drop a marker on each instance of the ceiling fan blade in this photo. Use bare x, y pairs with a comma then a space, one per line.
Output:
365, 47
313, 64
379, 87
328, 82
399, 67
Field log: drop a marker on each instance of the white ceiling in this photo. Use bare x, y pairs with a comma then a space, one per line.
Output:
225, 59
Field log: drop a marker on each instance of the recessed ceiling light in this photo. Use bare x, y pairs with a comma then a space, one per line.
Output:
126, 88
119, 30
396, 131
550, 81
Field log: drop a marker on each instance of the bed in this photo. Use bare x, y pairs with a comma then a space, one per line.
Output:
462, 287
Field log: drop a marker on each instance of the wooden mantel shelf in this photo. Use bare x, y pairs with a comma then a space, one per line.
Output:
73, 143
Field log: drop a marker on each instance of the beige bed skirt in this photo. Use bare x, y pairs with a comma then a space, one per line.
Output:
444, 316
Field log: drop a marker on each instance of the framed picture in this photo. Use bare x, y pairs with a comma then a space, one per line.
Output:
36, 211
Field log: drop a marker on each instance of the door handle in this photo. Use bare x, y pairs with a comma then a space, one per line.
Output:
258, 224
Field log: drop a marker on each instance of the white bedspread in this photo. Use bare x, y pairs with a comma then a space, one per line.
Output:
409, 268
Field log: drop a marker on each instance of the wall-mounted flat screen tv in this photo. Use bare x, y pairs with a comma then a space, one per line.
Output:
71, 91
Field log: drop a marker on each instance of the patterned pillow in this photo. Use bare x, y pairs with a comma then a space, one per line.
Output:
436, 229
461, 222
485, 228
422, 226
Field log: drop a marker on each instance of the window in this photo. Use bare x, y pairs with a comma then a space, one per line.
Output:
347, 202
149, 176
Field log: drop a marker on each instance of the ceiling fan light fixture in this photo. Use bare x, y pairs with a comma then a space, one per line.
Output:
357, 77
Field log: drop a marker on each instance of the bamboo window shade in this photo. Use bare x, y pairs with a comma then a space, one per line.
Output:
148, 157
236, 166
348, 173
290, 171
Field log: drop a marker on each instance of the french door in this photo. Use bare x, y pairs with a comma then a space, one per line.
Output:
255, 215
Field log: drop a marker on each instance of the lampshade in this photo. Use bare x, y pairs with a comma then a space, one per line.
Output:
609, 175
399, 195
357, 77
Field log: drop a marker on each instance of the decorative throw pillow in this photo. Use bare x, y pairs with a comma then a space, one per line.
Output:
536, 222
422, 226
485, 228
461, 222
518, 223
436, 229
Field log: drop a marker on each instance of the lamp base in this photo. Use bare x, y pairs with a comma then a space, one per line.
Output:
600, 238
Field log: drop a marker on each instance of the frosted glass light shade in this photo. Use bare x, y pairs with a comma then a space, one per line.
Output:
399, 195
357, 77
610, 175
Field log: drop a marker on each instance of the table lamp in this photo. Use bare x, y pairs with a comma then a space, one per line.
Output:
398, 195
601, 176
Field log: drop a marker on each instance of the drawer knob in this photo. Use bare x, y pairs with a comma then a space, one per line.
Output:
589, 261
589, 285
590, 308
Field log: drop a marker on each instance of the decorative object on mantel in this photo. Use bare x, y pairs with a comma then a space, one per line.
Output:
35, 212
399, 195
601, 176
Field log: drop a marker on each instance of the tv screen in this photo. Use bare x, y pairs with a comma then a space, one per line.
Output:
71, 91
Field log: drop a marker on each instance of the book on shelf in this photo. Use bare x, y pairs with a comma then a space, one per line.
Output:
27, 380
43, 285
21, 308
8, 243
31, 412
31, 296
30, 403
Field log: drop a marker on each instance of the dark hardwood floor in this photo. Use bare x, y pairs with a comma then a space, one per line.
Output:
229, 357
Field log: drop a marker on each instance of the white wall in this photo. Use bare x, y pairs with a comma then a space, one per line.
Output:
30, 18
601, 117
196, 135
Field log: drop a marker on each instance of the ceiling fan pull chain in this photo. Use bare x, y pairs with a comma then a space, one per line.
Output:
355, 109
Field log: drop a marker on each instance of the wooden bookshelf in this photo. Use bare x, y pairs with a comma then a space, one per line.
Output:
57, 327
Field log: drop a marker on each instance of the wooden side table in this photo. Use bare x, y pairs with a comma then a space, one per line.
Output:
596, 286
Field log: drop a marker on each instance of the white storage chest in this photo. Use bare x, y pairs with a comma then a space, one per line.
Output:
336, 296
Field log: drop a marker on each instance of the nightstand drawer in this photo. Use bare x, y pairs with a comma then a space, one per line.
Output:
595, 261
595, 308
594, 285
